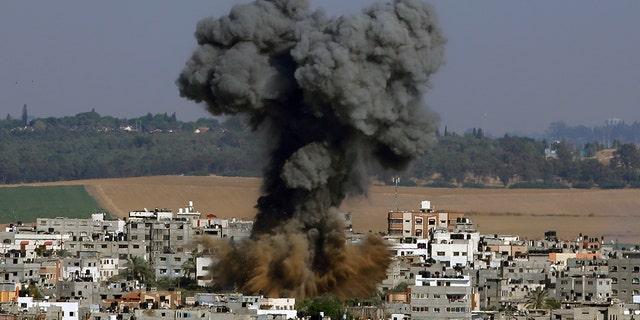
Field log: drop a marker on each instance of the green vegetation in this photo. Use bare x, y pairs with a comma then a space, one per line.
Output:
330, 305
28, 203
88, 146
539, 185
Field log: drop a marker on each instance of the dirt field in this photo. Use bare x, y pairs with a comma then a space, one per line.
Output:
614, 214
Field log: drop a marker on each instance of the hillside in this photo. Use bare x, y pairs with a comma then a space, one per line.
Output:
525, 212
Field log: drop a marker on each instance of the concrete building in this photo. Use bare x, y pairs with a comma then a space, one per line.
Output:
419, 223
171, 265
15, 268
441, 298
63, 310
624, 270
454, 248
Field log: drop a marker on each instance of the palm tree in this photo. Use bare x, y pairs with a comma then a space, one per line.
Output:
537, 299
140, 269
189, 268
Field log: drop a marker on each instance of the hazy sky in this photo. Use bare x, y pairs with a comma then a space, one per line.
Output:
512, 66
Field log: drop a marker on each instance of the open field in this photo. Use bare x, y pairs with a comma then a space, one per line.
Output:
614, 214
27, 203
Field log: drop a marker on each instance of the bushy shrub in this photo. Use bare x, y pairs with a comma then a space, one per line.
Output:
440, 184
473, 185
582, 185
613, 184
539, 185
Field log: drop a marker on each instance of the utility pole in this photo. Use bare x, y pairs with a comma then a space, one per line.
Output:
396, 180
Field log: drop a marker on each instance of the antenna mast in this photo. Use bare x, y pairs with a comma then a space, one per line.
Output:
396, 180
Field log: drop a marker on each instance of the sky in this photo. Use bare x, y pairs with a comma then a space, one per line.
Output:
511, 66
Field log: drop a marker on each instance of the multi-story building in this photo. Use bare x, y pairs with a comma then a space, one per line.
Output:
511, 282
624, 270
15, 267
441, 297
583, 287
50, 272
111, 248
165, 236
454, 248
80, 228
109, 267
419, 223
83, 268
172, 265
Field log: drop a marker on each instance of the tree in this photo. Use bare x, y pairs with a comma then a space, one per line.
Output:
330, 305
627, 157
537, 299
189, 268
25, 115
140, 269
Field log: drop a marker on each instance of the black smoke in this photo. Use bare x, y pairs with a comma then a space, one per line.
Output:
336, 95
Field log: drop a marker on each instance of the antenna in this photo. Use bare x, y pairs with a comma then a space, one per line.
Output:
396, 180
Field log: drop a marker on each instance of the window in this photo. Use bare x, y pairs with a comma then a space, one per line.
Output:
635, 281
440, 253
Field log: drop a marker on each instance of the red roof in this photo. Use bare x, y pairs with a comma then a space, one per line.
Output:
24, 242
48, 243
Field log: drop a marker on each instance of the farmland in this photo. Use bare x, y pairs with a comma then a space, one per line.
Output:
525, 212
26, 203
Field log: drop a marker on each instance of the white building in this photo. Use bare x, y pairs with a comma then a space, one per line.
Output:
410, 246
108, 268
203, 274
69, 310
454, 248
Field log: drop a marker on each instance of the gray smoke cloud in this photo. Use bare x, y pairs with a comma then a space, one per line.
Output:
336, 95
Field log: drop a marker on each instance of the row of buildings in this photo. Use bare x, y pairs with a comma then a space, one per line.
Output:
442, 268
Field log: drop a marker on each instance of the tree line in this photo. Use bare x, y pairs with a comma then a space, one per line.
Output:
89, 146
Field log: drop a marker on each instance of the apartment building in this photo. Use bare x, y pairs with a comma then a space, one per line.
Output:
624, 270
441, 297
454, 248
16, 268
419, 223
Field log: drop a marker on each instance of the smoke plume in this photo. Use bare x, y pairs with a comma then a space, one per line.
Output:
336, 95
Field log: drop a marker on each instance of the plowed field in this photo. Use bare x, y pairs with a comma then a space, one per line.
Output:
614, 214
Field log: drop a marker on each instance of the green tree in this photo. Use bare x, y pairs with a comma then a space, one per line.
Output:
189, 268
330, 305
537, 299
140, 269
25, 115
627, 157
